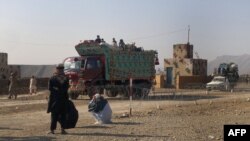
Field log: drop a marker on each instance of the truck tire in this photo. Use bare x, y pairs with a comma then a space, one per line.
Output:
137, 93
112, 93
126, 91
142, 90
90, 94
74, 95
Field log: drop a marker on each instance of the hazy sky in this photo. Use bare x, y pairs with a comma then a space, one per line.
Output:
46, 31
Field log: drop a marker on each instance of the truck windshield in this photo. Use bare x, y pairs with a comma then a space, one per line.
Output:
68, 64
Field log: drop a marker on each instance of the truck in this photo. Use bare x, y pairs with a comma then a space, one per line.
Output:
110, 69
226, 77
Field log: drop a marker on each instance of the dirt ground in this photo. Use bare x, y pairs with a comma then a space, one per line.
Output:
185, 116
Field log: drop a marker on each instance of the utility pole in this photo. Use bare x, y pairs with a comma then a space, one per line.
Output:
130, 96
188, 33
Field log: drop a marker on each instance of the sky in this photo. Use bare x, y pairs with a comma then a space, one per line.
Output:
39, 32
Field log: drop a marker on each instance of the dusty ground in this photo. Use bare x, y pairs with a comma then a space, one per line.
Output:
185, 116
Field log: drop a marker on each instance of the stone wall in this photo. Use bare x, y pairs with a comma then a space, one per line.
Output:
4, 69
200, 67
181, 51
199, 82
16, 70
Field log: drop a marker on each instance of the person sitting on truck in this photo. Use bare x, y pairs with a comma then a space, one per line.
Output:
100, 109
114, 43
98, 39
122, 44
102, 41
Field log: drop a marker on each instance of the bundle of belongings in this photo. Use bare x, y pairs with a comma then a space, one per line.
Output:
71, 115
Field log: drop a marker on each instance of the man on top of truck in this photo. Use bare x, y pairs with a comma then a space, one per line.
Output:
98, 39
114, 42
122, 44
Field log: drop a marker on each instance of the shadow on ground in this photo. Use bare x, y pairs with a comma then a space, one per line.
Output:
94, 126
8, 128
108, 125
185, 97
126, 123
35, 138
180, 97
96, 134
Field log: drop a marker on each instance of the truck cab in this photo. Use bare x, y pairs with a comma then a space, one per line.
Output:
82, 71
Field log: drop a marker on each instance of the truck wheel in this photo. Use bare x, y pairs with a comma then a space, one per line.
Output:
209, 89
99, 90
137, 93
90, 93
126, 91
145, 92
74, 95
111, 93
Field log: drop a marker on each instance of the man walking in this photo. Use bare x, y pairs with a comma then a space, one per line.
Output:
58, 87
12, 83
33, 87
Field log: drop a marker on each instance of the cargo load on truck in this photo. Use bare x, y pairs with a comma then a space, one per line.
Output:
122, 64
230, 71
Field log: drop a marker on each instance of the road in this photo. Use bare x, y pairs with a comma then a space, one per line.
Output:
192, 115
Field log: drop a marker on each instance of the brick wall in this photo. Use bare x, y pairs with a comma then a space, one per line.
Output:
191, 81
4, 69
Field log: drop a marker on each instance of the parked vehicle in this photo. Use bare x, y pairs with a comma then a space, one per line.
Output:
218, 83
110, 68
226, 78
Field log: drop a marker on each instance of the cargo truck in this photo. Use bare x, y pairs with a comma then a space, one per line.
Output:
110, 68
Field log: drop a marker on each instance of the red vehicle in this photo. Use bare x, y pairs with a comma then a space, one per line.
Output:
74, 67
108, 68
